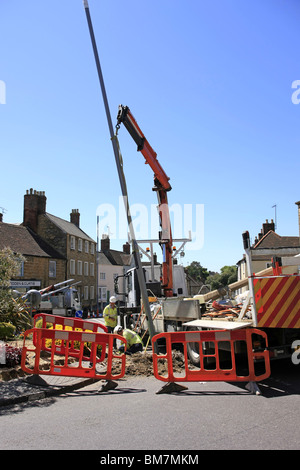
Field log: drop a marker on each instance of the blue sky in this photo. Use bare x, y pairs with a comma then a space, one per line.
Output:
210, 84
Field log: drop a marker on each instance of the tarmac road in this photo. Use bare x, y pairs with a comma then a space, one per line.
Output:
134, 417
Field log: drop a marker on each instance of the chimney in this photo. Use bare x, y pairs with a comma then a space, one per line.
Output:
105, 243
298, 204
268, 226
126, 248
34, 205
74, 217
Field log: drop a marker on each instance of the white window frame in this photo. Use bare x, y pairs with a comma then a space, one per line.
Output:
92, 269
102, 294
52, 269
79, 244
21, 271
92, 292
72, 266
79, 267
72, 242
86, 268
86, 246
86, 292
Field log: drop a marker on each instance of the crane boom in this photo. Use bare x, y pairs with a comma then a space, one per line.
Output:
125, 117
161, 186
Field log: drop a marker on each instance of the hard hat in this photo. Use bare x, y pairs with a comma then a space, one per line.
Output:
117, 329
113, 299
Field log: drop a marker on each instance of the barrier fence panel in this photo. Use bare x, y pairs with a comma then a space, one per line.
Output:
85, 365
65, 324
217, 354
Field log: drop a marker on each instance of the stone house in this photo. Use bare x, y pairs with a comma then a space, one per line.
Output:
68, 239
43, 265
268, 244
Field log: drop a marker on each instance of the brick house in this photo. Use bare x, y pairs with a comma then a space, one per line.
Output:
43, 265
68, 239
268, 244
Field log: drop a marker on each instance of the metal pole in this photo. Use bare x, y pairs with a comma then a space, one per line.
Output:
135, 249
247, 248
97, 267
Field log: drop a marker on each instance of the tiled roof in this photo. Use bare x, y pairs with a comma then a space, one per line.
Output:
69, 227
117, 258
273, 240
103, 260
22, 240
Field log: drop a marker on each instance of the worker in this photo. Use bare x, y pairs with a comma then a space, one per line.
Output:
134, 342
110, 314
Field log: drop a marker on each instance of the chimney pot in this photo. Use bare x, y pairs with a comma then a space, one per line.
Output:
34, 205
75, 217
105, 243
126, 248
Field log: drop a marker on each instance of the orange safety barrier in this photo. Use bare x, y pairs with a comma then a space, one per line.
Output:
212, 367
277, 300
69, 324
80, 368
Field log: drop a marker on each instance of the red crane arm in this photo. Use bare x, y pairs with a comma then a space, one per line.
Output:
161, 185
125, 117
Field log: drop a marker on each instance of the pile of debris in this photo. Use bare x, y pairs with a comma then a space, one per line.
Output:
142, 364
225, 309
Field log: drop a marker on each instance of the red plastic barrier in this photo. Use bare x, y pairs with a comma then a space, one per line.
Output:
66, 324
210, 344
80, 368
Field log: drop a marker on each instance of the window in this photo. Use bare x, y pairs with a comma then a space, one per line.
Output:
52, 268
92, 249
102, 292
86, 293
79, 244
102, 276
86, 246
86, 268
79, 268
72, 266
72, 242
21, 271
92, 269
92, 292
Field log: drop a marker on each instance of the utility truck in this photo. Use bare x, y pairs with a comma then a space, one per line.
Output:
127, 285
272, 303
57, 299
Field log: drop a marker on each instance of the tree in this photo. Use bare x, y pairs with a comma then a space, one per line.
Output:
227, 276
12, 310
197, 272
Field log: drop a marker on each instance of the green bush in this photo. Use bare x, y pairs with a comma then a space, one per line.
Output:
7, 331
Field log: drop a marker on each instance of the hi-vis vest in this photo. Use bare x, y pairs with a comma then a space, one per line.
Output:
131, 338
110, 312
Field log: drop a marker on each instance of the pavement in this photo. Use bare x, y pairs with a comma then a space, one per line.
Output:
21, 388
30, 388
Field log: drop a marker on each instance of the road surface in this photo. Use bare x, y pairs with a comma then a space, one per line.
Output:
134, 417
